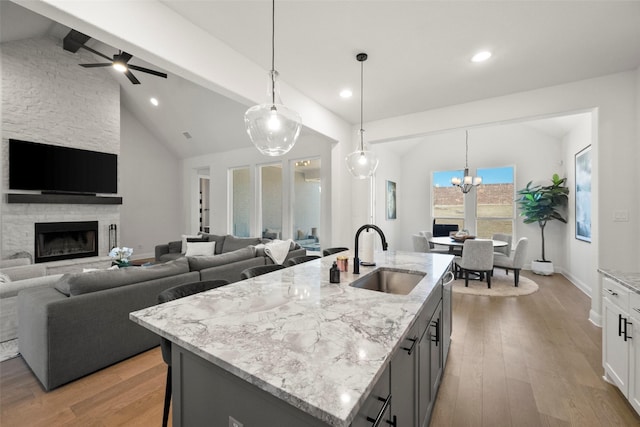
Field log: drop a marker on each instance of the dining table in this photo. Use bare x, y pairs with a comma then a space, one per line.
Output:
452, 244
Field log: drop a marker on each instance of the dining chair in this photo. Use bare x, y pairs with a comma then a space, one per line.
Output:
331, 251
433, 248
477, 256
506, 250
300, 259
514, 262
260, 270
420, 243
171, 294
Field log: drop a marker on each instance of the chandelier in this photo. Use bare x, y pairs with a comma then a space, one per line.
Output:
362, 163
468, 182
272, 127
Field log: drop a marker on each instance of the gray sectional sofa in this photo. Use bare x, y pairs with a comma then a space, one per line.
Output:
76, 324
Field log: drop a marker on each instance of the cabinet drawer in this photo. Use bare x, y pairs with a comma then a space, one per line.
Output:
616, 293
634, 305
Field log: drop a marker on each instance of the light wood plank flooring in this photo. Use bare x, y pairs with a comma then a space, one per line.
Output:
525, 361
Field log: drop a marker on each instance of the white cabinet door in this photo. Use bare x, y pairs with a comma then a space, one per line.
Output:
615, 350
634, 362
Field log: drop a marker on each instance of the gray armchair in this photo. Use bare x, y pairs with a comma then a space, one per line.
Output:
514, 262
477, 256
420, 243
505, 250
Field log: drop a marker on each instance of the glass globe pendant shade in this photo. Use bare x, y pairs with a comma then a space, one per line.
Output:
273, 127
362, 163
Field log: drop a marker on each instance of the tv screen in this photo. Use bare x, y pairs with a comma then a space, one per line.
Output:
51, 168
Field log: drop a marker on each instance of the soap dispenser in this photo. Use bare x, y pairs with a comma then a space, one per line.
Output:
334, 273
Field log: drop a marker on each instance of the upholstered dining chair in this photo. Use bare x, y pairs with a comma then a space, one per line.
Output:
331, 251
260, 270
433, 248
477, 256
171, 294
514, 262
420, 243
506, 250
300, 259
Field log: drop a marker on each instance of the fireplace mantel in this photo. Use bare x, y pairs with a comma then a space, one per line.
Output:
68, 199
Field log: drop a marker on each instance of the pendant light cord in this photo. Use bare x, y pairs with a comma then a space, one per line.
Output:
361, 105
273, 51
466, 153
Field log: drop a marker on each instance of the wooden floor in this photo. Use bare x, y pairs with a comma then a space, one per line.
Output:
525, 361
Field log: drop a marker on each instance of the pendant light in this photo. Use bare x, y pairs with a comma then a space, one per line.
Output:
272, 127
362, 163
468, 182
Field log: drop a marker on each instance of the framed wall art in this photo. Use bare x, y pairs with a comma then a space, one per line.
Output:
583, 194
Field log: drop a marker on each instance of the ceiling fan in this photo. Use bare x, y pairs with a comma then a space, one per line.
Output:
120, 62
75, 40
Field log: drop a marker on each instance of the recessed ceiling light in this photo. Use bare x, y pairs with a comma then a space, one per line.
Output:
346, 93
154, 101
481, 56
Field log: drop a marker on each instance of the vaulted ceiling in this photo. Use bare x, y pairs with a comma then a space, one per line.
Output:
419, 56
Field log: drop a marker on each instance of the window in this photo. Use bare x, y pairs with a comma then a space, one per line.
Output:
495, 202
447, 200
240, 201
271, 200
306, 203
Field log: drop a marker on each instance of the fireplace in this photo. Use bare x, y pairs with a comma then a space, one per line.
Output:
65, 240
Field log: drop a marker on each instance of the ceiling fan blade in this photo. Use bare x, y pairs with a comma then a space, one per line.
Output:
96, 52
95, 65
124, 56
146, 70
131, 77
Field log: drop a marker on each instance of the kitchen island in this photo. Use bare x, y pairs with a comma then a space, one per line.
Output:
291, 349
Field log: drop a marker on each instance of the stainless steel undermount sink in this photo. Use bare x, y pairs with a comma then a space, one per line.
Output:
389, 281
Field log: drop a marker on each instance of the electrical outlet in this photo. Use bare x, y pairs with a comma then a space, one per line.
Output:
234, 423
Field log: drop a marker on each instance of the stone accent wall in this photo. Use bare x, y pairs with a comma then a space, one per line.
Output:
48, 98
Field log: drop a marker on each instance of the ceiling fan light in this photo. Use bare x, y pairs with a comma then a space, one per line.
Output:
120, 66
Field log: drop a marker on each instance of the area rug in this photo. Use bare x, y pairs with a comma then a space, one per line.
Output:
501, 286
8, 350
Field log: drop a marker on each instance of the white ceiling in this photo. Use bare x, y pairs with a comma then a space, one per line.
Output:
418, 56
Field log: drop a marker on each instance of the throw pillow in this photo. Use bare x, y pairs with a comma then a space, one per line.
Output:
200, 248
184, 241
4, 278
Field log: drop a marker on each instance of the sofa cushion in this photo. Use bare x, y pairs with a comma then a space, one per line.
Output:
200, 248
73, 284
232, 243
215, 238
202, 262
27, 271
175, 247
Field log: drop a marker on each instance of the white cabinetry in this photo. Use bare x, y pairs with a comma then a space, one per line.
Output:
634, 355
620, 351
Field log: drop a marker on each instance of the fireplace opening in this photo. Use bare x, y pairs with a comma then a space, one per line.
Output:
65, 240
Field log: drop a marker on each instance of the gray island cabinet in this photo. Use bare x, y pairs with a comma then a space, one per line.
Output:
291, 349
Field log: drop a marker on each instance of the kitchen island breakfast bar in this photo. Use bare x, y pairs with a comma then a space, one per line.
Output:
291, 349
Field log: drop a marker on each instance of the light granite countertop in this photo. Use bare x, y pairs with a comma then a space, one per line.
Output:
317, 345
628, 279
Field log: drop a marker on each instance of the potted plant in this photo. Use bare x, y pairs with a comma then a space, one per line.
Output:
541, 204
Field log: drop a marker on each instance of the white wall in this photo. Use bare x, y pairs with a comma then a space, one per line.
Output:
151, 188
578, 253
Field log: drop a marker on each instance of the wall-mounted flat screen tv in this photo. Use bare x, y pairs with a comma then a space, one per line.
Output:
50, 168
